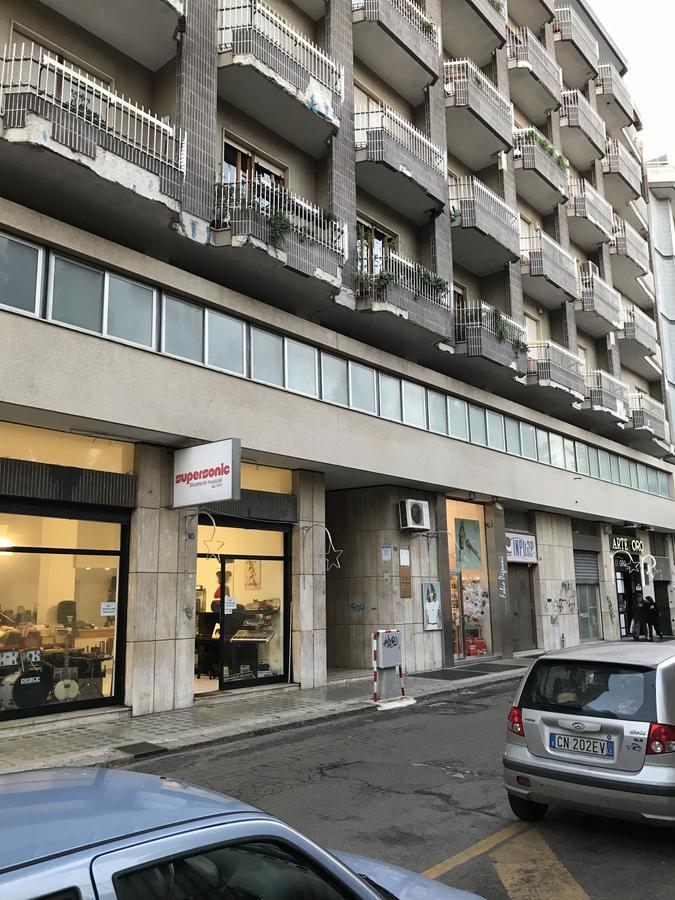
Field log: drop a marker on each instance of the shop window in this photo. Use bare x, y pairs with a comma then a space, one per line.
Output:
469, 584
267, 357
76, 295
131, 311
61, 449
495, 430
334, 379
414, 407
362, 387
459, 423
614, 466
226, 343
513, 437
529, 440
438, 412
583, 463
266, 478
390, 397
20, 274
17, 531
183, 329
593, 462
301, 368
477, 425
543, 450
643, 480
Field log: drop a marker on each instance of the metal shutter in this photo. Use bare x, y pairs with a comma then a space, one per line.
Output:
586, 567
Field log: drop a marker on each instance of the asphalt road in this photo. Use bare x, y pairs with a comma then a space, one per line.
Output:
419, 787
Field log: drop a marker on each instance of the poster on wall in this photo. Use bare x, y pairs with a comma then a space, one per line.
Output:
431, 605
253, 581
467, 538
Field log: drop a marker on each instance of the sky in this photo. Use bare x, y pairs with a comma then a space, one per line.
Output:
644, 32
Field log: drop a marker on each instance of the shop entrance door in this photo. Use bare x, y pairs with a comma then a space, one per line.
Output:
663, 607
520, 594
457, 617
589, 614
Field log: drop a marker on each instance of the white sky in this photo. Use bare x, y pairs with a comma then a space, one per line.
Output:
644, 33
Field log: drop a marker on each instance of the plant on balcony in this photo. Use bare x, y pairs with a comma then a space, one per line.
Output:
519, 346
455, 214
376, 285
497, 4
436, 285
279, 226
501, 331
79, 107
329, 215
547, 147
428, 27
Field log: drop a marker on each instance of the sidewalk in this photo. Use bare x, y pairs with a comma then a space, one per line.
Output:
114, 738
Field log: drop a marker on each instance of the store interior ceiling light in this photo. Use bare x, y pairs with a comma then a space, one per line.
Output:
5, 543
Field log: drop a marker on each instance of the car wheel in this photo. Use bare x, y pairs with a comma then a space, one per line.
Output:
527, 810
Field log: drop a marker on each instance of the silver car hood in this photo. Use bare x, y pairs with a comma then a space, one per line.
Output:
402, 883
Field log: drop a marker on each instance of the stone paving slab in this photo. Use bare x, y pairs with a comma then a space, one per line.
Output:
88, 742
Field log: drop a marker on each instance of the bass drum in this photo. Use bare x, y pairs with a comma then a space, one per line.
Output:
23, 690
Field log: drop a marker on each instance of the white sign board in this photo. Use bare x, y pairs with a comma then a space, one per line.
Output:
521, 548
108, 608
207, 474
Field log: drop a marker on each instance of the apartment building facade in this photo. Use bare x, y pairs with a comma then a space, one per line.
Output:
401, 252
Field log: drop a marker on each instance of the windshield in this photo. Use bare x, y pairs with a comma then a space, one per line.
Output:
607, 690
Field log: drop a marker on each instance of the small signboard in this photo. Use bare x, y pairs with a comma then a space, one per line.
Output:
229, 606
208, 473
108, 608
521, 548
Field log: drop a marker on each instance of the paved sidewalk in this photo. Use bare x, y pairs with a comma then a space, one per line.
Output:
104, 739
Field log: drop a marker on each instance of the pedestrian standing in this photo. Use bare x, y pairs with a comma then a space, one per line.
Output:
638, 618
651, 619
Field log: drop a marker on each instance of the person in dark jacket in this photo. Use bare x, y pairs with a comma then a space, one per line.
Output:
650, 616
639, 622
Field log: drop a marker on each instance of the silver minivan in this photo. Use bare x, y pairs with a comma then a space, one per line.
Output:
593, 728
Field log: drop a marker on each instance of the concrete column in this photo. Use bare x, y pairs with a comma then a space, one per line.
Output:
498, 580
554, 584
609, 607
308, 593
443, 551
161, 601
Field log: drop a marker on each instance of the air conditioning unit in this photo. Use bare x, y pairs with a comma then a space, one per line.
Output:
414, 515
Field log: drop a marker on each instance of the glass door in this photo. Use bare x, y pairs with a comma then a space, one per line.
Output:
589, 613
457, 612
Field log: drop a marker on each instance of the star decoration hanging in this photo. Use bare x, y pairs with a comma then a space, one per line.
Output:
334, 562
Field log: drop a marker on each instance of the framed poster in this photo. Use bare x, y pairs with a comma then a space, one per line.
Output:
431, 605
467, 538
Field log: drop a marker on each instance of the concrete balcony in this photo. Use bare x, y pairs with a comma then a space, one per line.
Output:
598, 309
534, 76
533, 13
489, 344
277, 244
549, 273
637, 215
582, 131
614, 102
112, 166
474, 28
397, 164
647, 429
576, 49
606, 401
558, 376
478, 118
144, 31
630, 263
638, 343
273, 73
399, 43
412, 305
623, 175
542, 172
485, 234
590, 217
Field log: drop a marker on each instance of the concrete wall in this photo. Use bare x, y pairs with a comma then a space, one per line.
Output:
553, 583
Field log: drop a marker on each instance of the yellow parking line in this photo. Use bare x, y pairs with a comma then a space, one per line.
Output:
530, 870
478, 849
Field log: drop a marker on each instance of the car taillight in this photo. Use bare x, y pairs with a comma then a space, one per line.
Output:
661, 739
516, 721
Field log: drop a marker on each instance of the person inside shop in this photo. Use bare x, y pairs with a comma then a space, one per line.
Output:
221, 590
651, 619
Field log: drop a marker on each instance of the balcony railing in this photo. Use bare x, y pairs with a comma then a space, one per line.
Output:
526, 139
580, 114
571, 28
243, 23
463, 74
545, 256
403, 273
595, 295
551, 362
414, 15
281, 210
606, 391
489, 319
469, 189
587, 203
618, 161
33, 80
610, 82
648, 413
627, 242
637, 326
384, 118
524, 48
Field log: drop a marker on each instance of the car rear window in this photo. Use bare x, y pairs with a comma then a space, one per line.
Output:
609, 690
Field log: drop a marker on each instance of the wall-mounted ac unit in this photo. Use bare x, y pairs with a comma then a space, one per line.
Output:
414, 515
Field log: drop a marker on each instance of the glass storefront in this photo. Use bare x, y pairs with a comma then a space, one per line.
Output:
61, 608
241, 607
469, 585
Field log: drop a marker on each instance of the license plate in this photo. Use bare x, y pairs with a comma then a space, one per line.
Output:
589, 746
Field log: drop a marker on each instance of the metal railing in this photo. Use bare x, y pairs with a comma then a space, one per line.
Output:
524, 48
610, 82
555, 363
606, 391
283, 211
580, 114
627, 242
384, 118
462, 75
404, 273
571, 27
241, 24
618, 161
647, 413
414, 15
637, 326
595, 295
587, 203
552, 256
28, 70
471, 190
524, 139
489, 319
